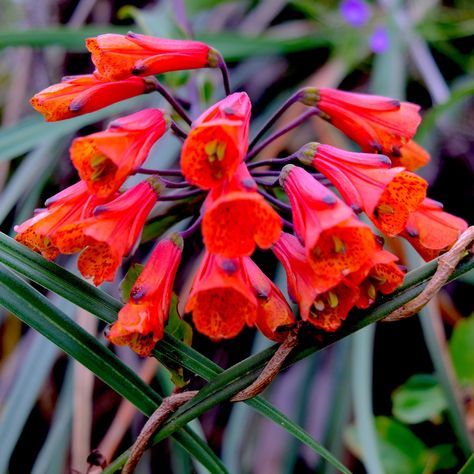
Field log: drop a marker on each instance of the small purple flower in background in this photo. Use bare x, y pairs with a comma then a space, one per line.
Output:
379, 40
355, 12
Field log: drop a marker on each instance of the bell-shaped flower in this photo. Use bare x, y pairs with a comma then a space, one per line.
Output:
367, 182
324, 301
431, 230
237, 219
376, 123
336, 242
79, 95
110, 234
411, 156
218, 142
141, 321
105, 159
121, 56
70, 205
274, 315
222, 300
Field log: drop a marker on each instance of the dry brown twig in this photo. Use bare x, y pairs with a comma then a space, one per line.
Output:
446, 265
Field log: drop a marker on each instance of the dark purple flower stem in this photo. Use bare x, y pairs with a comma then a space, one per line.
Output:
179, 196
286, 105
172, 184
269, 184
275, 201
287, 224
273, 161
225, 74
192, 228
178, 131
173, 102
175, 172
295, 123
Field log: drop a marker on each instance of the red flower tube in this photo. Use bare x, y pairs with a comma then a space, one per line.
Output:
141, 321
411, 156
336, 242
104, 160
222, 300
72, 204
79, 95
367, 182
120, 56
431, 230
218, 142
110, 233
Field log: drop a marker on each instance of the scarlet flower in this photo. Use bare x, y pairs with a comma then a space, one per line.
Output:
336, 242
222, 300
411, 156
218, 142
110, 233
274, 316
431, 230
379, 273
118, 57
79, 95
104, 160
323, 301
367, 182
376, 123
237, 219
141, 321
70, 205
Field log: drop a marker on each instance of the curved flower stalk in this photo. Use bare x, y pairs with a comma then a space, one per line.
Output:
332, 260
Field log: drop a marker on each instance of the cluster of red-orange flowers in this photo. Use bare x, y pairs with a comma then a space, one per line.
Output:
333, 261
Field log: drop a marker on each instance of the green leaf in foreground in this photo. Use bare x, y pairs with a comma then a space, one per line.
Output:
461, 347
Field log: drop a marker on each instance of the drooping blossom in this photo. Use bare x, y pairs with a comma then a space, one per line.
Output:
376, 123
411, 156
110, 234
79, 95
70, 205
105, 159
367, 182
217, 143
336, 242
222, 300
141, 321
431, 230
118, 57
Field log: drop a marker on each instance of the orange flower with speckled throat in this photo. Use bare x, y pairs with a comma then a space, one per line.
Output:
367, 182
120, 56
222, 300
217, 143
110, 234
336, 242
141, 321
79, 95
105, 159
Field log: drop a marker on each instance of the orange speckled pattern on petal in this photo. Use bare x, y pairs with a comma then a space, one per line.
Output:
99, 262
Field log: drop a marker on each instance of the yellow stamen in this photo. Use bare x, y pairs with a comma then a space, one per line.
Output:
339, 246
333, 300
371, 292
385, 209
319, 305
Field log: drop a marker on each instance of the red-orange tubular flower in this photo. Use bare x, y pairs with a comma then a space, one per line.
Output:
379, 273
72, 204
376, 123
141, 321
411, 156
237, 219
104, 160
222, 300
274, 315
431, 230
336, 242
110, 234
120, 56
324, 302
367, 182
79, 95
218, 142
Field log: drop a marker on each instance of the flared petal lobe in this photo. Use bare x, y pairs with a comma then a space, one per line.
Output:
411, 156
141, 321
79, 95
105, 159
110, 234
118, 57
431, 230
70, 205
222, 300
217, 143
